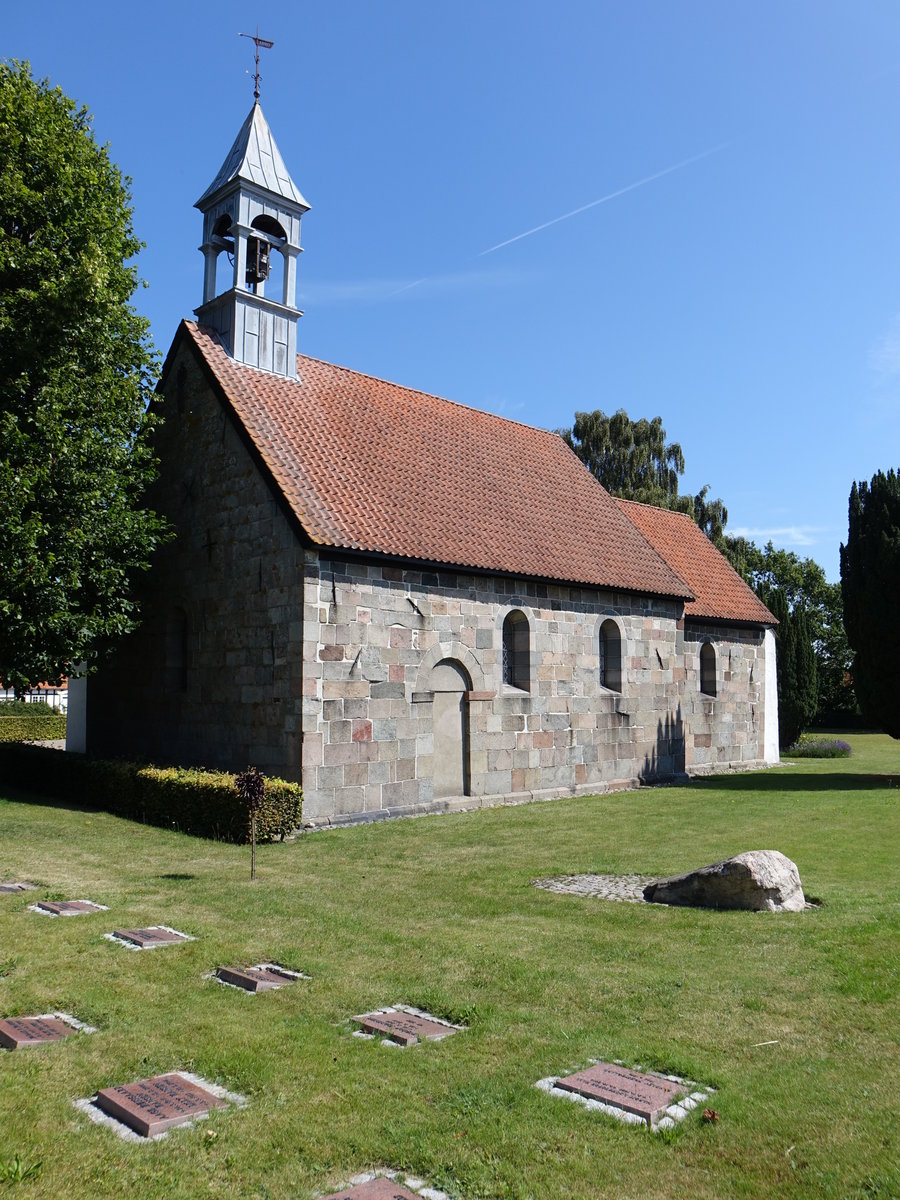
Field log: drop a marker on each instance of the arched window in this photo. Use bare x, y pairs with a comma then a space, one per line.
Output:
708, 669
610, 656
516, 653
177, 651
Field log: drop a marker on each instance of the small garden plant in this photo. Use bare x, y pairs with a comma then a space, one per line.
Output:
815, 746
251, 789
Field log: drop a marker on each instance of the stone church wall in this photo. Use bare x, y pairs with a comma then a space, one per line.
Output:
213, 675
727, 728
253, 650
375, 633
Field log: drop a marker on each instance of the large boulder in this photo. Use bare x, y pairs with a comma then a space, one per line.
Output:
763, 880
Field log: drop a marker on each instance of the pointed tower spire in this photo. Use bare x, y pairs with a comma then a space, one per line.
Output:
252, 211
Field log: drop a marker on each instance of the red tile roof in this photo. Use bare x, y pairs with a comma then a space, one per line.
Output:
373, 466
719, 592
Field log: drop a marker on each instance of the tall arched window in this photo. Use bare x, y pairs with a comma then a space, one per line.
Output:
610, 656
708, 669
516, 652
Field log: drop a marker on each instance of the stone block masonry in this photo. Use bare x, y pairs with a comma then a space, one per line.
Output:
380, 684
371, 725
213, 676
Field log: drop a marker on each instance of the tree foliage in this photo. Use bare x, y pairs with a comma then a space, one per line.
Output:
802, 582
630, 458
797, 692
870, 582
76, 374
633, 460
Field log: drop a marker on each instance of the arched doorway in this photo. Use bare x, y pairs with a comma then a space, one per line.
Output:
449, 683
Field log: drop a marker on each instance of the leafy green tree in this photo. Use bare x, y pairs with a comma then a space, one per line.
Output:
630, 458
711, 516
803, 583
76, 374
870, 582
633, 460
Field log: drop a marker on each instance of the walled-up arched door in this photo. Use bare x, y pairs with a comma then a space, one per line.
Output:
449, 683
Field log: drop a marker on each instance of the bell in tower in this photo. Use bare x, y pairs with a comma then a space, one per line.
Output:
251, 215
257, 261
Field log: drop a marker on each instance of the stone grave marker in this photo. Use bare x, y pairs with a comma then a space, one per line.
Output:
9, 888
405, 1027
147, 939
151, 1106
262, 978
647, 1096
16, 1032
381, 1188
68, 908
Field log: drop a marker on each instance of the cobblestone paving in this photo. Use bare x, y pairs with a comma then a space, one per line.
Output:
629, 888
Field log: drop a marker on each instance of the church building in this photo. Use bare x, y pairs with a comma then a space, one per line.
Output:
404, 603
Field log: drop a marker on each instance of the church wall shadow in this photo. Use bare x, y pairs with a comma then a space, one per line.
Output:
666, 759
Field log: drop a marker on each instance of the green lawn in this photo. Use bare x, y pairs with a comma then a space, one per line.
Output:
439, 913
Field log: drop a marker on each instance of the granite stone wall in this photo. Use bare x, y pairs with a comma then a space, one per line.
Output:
213, 675
375, 633
325, 666
728, 728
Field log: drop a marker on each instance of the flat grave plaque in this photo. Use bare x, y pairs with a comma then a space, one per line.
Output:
376, 1189
154, 935
255, 979
633, 1091
16, 1032
150, 1106
68, 908
404, 1028
8, 888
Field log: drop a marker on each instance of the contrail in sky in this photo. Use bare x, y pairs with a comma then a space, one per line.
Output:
686, 162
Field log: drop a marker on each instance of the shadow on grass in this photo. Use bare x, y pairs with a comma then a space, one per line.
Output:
797, 782
24, 795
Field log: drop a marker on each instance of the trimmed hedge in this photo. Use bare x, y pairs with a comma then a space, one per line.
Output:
43, 727
191, 800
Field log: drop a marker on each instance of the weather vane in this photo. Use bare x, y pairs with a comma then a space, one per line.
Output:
257, 42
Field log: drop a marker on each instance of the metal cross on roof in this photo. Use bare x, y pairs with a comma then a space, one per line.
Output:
257, 42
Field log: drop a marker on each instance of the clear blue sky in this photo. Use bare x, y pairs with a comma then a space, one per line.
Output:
751, 296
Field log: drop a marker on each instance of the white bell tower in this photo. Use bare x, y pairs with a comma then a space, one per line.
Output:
251, 212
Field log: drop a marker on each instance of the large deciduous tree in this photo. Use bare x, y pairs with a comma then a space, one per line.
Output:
870, 582
76, 374
633, 460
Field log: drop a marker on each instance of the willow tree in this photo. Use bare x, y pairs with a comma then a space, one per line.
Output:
633, 460
77, 370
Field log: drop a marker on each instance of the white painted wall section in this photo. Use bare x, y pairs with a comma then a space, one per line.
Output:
771, 705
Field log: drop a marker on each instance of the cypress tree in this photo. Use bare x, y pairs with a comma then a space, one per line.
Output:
806, 695
870, 583
796, 663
